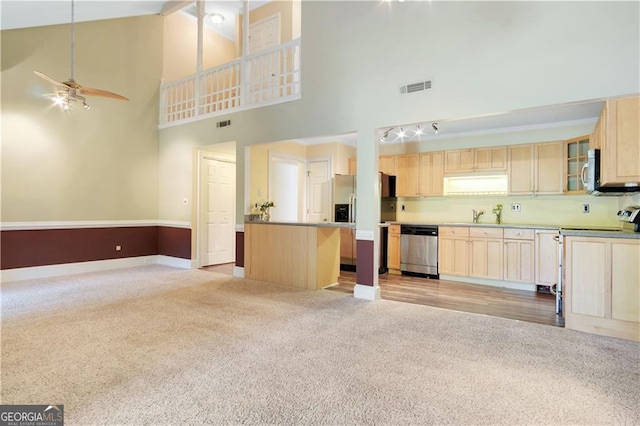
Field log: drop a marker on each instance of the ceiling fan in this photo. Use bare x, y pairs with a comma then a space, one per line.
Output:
70, 91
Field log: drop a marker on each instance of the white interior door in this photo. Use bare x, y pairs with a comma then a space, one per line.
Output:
264, 70
319, 191
285, 188
218, 238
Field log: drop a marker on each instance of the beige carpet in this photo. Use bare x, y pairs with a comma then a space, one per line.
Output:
157, 345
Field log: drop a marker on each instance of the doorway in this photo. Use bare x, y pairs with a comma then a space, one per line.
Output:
216, 209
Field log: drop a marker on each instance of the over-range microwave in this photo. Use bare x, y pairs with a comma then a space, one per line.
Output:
591, 179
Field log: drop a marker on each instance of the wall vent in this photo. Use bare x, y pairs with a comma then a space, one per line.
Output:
223, 123
416, 87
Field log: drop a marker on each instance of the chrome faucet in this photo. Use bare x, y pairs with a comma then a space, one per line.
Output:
476, 215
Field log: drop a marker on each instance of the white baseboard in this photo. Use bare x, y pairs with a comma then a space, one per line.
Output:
176, 262
493, 283
238, 271
366, 292
21, 274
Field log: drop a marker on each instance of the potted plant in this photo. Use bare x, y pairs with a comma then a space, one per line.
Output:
264, 210
497, 210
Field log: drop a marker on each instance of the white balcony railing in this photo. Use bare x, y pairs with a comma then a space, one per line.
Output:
271, 76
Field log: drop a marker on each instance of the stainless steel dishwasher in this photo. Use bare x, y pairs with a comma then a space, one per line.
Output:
419, 250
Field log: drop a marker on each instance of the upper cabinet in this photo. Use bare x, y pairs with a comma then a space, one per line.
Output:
576, 152
475, 160
536, 168
459, 160
617, 134
387, 164
407, 175
431, 174
493, 158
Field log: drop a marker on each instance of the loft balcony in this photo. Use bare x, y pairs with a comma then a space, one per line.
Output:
268, 77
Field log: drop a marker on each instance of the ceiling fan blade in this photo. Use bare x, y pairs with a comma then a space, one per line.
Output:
49, 79
97, 92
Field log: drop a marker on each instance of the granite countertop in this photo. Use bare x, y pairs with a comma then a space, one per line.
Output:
566, 230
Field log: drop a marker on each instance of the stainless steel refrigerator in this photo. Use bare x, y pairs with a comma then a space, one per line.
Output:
344, 208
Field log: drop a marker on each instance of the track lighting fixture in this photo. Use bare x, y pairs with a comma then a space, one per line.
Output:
419, 131
434, 126
385, 135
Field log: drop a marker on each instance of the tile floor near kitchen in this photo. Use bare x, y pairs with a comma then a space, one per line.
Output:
480, 299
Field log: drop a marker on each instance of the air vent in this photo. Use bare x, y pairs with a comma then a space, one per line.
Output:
224, 123
415, 87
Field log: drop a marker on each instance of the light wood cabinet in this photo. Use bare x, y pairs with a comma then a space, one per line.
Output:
431, 173
620, 144
348, 246
519, 255
486, 253
576, 155
602, 286
536, 168
393, 247
493, 158
387, 164
547, 261
459, 160
453, 250
475, 160
407, 175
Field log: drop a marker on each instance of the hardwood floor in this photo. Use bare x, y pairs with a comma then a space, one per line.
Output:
495, 301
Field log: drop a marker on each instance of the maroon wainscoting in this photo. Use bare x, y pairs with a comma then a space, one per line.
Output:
175, 242
364, 262
240, 249
25, 248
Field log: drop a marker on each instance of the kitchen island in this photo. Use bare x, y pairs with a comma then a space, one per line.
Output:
295, 254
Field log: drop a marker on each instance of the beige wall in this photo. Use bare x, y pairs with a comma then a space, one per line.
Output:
100, 164
180, 47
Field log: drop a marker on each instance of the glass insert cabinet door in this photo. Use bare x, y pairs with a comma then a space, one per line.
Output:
576, 154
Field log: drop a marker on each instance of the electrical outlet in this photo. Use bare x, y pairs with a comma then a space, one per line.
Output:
585, 208
118, 248
515, 207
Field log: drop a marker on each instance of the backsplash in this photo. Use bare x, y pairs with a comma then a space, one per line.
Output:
534, 210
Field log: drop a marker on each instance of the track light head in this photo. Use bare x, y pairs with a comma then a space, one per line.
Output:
434, 126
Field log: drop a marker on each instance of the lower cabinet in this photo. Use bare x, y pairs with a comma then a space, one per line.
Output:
486, 252
453, 250
348, 246
602, 286
510, 254
519, 255
393, 247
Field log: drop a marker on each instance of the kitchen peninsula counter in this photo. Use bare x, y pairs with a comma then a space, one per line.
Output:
295, 254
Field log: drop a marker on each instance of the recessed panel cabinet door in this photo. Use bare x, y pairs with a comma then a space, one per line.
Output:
625, 281
453, 256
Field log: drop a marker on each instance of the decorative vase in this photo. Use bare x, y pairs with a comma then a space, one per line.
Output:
265, 216
499, 217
